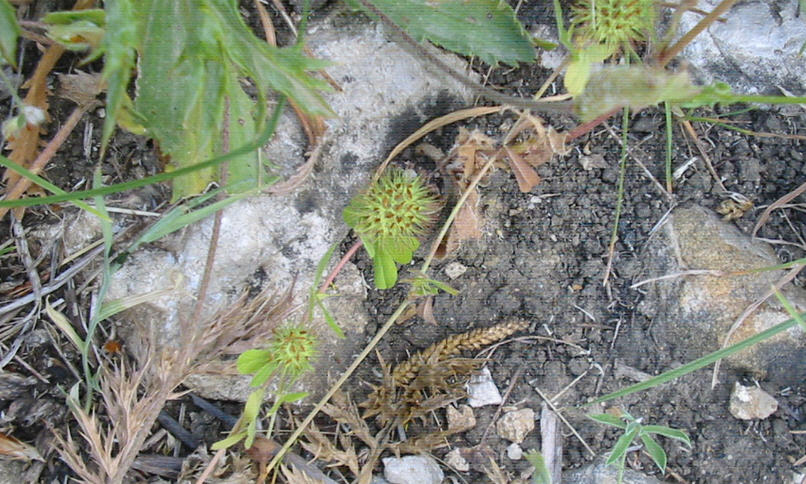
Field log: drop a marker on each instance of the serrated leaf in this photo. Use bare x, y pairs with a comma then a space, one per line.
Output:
9, 31
668, 432
487, 29
385, 269
251, 361
607, 419
655, 451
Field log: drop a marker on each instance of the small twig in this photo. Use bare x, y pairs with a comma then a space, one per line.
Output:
567, 424
693, 272
707, 159
551, 442
498, 410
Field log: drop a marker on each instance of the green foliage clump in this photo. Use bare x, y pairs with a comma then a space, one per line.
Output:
389, 216
287, 356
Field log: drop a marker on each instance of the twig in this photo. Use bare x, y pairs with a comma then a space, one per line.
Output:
342, 262
707, 159
551, 442
693, 272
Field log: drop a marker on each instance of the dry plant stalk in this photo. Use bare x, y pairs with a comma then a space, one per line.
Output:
134, 391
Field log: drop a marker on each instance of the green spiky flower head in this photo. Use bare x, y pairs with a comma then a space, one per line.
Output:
617, 24
389, 216
289, 353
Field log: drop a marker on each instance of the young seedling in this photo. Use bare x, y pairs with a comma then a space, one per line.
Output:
633, 428
388, 217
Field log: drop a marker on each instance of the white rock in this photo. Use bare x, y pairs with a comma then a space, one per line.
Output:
454, 459
749, 403
514, 425
412, 469
481, 390
460, 419
514, 451
755, 49
455, 269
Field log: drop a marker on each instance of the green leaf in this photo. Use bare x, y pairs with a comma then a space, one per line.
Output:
9, 31
252, 407
623, 442
655, 451
385, 269
77, 30
229, 441
789, 308
667, 432
330, 320
579, 70
487, 29
401, 249
251, 361
635, 87
607, 419
541, 474
264, 373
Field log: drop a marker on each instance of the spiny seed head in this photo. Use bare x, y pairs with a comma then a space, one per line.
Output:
615, 23
293, 347
396, 205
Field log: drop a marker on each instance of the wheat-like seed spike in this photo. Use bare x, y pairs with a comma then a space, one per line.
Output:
453, 345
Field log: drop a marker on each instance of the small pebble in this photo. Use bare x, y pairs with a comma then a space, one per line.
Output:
412, 469
514, 425
750, 403
455, 269
481, 390
454, 459
461, 419
514, 451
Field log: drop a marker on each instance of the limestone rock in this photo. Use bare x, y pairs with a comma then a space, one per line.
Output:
514, 425
693, 313
751, 403
514, 451
755, 49
412, 469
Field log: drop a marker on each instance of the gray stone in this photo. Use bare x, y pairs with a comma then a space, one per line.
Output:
12, 471
694, 312
481, 390
282, 238
514, 451
412, 469
754, 50
514, 425
455, 269
751, 403
599, 473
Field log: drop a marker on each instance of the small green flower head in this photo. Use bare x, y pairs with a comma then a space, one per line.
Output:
614, 23
397, 205
389, 217
293, 347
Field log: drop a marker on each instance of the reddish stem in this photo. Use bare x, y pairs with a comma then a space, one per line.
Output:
347, 256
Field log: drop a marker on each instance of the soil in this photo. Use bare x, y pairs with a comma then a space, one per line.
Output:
543, 259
